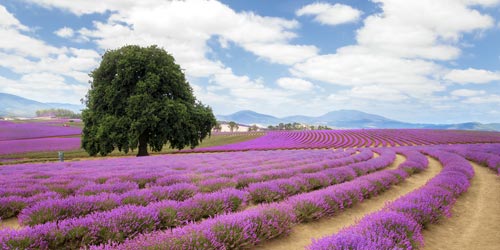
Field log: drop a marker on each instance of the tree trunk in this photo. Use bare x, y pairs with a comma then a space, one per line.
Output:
143, 146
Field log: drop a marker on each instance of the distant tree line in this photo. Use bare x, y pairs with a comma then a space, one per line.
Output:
297, 126
59, 113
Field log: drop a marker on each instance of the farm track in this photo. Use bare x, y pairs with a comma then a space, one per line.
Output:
475, 220
12, 223
302, 234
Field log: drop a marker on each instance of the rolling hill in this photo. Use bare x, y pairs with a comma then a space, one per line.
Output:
347, 119
16, 106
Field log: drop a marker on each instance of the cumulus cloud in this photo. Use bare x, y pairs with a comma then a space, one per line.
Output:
361, 68
471, 75
65, 32
399, 48
7, 20
403, 30
329, 14
295, 84
44, 70
44, 87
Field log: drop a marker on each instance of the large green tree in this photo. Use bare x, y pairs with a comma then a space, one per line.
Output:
139, 97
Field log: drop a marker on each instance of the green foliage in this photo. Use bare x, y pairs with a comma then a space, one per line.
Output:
233, 126
297, 126
253, 128
60, 113
11, 210
168, 217
139, 97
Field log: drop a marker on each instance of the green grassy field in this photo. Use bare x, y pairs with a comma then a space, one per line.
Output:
80, 154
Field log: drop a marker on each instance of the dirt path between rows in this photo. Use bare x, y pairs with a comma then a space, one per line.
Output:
395, 164
12, 223
302, 234
475, 220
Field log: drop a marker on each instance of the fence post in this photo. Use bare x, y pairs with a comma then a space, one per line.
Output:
61, 156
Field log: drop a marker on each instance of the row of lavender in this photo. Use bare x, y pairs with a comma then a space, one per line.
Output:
485, 154
358, 138
244, 229
399, 225
89, 187
132, 169
265, 191
123, 175
101, 227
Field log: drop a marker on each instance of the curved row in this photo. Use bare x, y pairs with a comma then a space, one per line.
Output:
400, 223
196, 208
249, 227
92, 196
357, 138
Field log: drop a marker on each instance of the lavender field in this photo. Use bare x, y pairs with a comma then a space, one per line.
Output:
38, 136
257, 194
41, 140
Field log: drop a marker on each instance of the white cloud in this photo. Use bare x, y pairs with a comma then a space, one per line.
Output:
186, 27
372, 92
295, 84
471, 75
7, 20
44, 87
467, 92
397, 50
282, 53
184, 31
81, 7
43, 68
360, 68
65, 32
328, 14
402, 30
76, 63
15, 42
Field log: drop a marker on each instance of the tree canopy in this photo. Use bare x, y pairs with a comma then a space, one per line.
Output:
139, 97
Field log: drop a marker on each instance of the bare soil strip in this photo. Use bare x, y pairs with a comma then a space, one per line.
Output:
475, 220
395, 164
302, 234
12, 223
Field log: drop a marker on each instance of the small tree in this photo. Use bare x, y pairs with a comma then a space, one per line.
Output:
254, 127
139, 97
232, 126
217, 127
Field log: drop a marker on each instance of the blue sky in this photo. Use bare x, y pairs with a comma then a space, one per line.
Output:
415, 61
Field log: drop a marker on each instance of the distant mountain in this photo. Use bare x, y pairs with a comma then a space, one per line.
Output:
250, 117
346, 119
13, 105
466, 126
